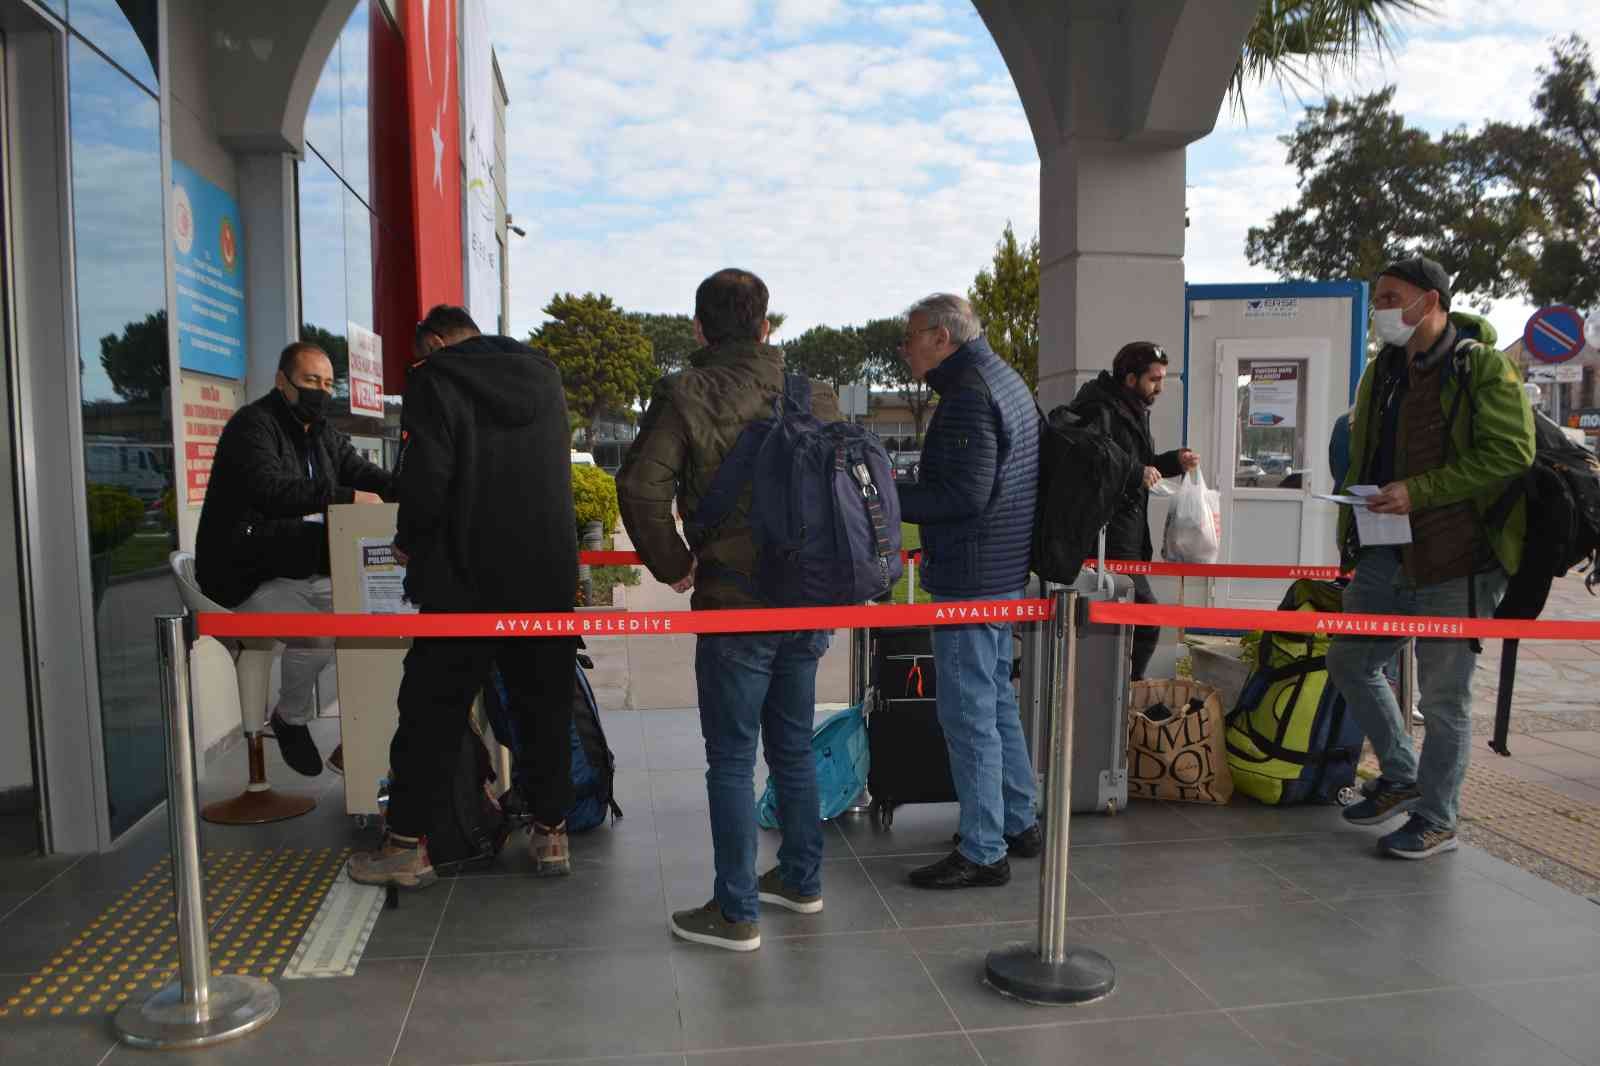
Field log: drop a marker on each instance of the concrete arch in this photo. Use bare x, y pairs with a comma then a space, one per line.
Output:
1114, 91
263, 65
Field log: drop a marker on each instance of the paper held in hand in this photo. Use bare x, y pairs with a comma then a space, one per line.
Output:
1375, 530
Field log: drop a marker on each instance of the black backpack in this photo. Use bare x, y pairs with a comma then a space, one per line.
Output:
470, 828
1084, 475
1562, 488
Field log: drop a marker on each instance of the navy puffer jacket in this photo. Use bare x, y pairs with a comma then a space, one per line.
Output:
979, 482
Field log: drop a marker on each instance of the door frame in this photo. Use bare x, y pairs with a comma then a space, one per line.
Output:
47, 417
1316, 355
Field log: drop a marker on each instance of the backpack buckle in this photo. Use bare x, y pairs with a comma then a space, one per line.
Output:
863, 477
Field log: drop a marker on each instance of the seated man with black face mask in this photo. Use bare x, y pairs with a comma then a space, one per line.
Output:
263, 540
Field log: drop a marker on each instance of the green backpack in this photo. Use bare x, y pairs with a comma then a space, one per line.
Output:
1290, 738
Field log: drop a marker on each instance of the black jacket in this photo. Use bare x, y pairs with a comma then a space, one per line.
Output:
269, 473
1128, 533
485, 481
975, 494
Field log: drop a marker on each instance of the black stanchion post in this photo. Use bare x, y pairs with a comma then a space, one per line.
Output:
1054, 973
198, 1009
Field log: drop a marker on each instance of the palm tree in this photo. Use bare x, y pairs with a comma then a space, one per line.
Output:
1300, 39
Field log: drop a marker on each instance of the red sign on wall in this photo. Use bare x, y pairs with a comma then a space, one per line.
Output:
433, 83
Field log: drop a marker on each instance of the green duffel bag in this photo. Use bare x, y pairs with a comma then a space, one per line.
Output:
1290, 738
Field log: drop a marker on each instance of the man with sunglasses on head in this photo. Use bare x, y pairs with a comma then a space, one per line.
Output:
486, 524
1121, 399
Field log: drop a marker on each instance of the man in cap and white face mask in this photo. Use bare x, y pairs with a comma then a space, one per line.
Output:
1442, 426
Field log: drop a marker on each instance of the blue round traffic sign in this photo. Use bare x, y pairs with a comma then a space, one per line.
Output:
1554, 334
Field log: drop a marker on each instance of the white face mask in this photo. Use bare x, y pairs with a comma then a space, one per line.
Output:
1391, 326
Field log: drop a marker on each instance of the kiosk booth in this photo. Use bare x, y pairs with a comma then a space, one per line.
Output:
1267, 370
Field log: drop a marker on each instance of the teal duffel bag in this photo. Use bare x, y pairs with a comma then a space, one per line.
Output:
840, 748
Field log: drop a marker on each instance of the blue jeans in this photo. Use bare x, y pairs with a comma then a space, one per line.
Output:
760, 685
983, 732
1444, 679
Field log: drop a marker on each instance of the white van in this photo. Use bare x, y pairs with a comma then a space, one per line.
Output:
138, 468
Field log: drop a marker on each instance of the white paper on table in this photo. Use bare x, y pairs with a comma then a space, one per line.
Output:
1374, 529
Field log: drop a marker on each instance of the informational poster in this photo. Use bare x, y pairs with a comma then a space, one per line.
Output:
208, 403
366, 371
478, 155
1274, 395
383, 578
209, 253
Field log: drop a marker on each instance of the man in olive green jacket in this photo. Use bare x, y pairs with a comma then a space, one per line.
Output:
750, 684
1443, 428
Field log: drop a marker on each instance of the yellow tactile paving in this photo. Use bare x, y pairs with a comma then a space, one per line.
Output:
1552, 823
1567, 840
258, 904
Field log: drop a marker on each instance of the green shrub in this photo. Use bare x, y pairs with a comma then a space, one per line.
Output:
594, 495
114, 515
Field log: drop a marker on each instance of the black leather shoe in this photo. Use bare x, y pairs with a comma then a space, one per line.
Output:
298, 749
1028, 844
957, 871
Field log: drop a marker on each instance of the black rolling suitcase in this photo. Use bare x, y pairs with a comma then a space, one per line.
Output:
909, 762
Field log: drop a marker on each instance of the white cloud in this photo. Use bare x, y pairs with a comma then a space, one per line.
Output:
652, 143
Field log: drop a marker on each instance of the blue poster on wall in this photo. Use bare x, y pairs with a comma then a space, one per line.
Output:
210, 266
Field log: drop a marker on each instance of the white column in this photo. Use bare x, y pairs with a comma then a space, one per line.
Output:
1111, 230
271, 263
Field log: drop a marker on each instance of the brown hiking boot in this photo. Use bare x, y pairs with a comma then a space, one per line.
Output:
400, 861
552, 856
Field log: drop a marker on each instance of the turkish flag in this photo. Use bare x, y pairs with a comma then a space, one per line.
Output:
433, 84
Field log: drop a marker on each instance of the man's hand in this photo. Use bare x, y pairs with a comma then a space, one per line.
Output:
685, 583
400, 554
1393, 498
367, 497
1188, 460
1151, 477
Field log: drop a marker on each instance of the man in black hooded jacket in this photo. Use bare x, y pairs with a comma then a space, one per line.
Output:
486, 525
1121, 399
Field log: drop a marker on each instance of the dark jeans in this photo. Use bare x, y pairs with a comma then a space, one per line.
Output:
442, 676
760, 685
1145, 638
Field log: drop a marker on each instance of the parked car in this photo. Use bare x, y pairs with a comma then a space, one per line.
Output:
907, 465
1249, 473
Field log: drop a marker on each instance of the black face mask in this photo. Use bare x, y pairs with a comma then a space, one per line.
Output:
311, 406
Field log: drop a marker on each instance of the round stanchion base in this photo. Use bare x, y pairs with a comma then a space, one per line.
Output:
235, 1006
1018, 972
256, 808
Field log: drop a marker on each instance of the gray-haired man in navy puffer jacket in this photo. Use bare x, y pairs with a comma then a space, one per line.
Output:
974, 499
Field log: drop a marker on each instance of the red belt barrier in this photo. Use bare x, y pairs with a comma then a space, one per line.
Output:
1256, 570
1354, 625
622, 623
1116, 566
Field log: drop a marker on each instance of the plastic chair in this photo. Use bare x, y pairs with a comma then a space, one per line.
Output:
252, 665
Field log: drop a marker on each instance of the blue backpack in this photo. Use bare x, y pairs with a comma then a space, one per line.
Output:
823, 509
594, 768
839, 747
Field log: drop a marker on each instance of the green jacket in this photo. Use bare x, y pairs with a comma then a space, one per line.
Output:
691, 425
1492, 444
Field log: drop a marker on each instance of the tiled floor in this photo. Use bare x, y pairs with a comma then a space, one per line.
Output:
1242, 936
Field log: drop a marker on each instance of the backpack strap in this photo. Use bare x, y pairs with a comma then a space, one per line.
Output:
797, 390
738, 466
727, 485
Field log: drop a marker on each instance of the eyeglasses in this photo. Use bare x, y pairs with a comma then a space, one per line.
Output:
906, 340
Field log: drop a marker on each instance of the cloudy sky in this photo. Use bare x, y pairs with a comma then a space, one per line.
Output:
860, 153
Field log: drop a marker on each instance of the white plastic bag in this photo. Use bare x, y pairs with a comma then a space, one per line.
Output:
1194, 523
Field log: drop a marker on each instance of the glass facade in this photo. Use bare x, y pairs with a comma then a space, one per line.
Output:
338, 230
118, 235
